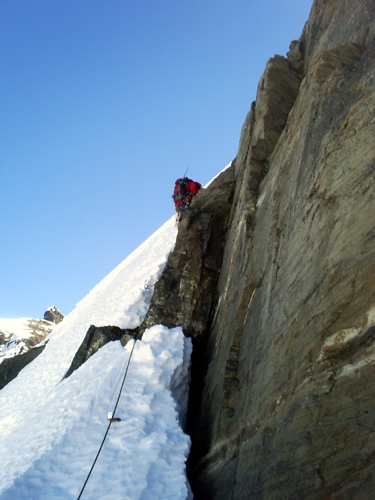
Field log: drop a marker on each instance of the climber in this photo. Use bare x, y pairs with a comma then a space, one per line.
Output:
183, 193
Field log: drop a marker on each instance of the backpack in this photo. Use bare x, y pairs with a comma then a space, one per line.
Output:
180, 189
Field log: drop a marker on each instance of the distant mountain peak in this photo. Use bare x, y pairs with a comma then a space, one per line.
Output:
17, 336
53, 315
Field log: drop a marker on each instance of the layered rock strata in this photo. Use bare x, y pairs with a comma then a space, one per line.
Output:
283, 324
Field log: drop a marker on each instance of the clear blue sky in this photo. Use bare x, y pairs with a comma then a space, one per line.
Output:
104, 103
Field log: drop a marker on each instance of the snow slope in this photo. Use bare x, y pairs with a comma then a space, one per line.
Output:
51, 429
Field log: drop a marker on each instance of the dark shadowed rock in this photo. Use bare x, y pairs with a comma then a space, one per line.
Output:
54, 315
10, 367
97, 337
183, 295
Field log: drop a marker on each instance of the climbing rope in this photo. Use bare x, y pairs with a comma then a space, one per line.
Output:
110, 421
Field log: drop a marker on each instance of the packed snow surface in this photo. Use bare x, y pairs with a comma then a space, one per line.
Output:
51, 428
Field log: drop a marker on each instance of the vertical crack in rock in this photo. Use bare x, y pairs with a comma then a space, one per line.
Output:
287, 407
186, 293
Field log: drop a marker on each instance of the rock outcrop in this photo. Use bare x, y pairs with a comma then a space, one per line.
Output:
97, 337
10, 367
54, 315
273, 278
183, 293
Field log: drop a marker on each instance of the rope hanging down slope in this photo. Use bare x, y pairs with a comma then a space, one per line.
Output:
110, 422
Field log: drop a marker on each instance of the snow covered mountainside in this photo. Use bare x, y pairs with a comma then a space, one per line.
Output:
51, 428
19, 335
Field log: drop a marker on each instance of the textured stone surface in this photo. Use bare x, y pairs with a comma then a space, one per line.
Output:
95, 338
288, 405
280, 297
54, 315
183, 295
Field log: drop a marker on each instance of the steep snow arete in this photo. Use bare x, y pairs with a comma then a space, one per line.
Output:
51, 429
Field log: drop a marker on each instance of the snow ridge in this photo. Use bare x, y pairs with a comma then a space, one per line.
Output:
51, 429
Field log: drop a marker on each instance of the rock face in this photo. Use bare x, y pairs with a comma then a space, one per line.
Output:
97, 337
10, 367
54, 315
273, 278
183, 293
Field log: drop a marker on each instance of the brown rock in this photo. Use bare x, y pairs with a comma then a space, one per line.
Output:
54, 315
182, 296
280, 297
287, 409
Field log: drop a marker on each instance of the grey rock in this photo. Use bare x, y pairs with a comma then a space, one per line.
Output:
282, 399
97, 337
53, 315
10, 367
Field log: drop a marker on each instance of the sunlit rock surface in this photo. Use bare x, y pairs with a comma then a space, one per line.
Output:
277, 288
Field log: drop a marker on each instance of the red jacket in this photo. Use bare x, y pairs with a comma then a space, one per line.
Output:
193, 187
184, 191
